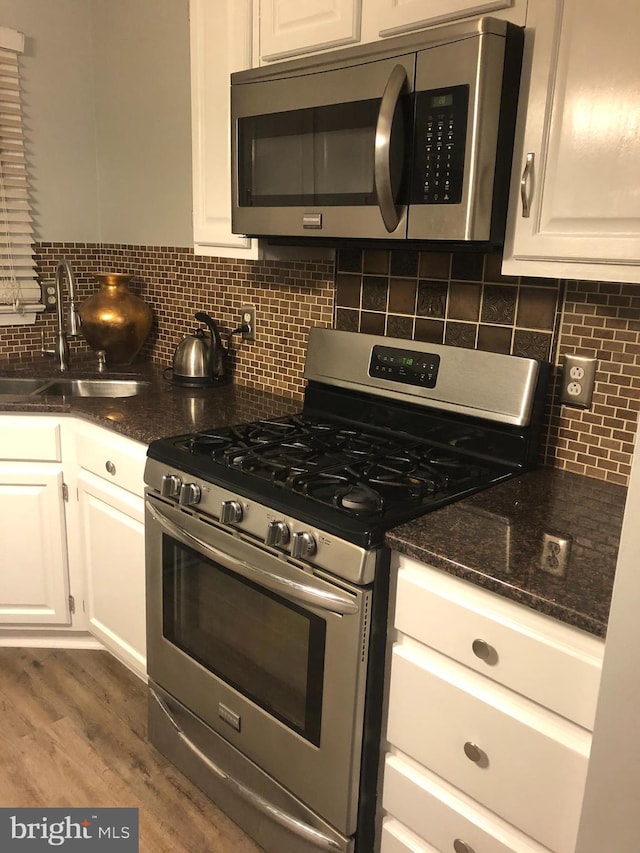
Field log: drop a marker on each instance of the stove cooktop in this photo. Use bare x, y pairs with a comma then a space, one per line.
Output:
389, 430
366, 477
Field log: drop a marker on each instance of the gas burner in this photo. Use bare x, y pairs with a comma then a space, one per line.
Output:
343, 489
359, 497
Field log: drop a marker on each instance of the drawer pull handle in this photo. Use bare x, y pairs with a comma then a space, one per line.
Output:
475, 754
461, 846
485, 651
111, 468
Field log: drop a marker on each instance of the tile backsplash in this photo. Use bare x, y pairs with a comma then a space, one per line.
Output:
457, 299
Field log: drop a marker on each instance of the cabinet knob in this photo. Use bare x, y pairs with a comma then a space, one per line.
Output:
111, 468
484, 651
475, 754
461, 846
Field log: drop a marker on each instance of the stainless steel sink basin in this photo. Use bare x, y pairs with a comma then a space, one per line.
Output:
27, 386
94, 388
20, 384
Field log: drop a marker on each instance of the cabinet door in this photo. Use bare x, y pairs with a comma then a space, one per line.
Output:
34, 573
574, 208
221, 42
113, 548
391, 17
288, 28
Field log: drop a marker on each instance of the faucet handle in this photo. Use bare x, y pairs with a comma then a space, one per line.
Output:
74, 321
102, 360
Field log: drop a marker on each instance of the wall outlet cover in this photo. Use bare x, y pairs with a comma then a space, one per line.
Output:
578, 380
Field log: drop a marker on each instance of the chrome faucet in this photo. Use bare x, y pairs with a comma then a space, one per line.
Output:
61, 348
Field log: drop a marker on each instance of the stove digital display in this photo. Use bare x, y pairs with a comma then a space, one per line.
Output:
406, 366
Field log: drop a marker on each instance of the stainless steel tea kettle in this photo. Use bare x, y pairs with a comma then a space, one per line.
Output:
200, 359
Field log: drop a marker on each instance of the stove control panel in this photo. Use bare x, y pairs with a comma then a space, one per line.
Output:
403, 365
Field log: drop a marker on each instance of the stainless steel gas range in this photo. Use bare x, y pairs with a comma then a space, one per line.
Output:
267, 573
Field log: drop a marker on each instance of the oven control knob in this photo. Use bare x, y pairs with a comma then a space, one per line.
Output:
190, 494
277, 533
303, 545
231, 512
170, 486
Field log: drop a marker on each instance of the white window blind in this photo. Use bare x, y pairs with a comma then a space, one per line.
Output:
19, 289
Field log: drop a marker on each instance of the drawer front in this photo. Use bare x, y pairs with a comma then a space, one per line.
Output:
398, 839
30, 439
441, 815
553, 664
113, 457
522, 762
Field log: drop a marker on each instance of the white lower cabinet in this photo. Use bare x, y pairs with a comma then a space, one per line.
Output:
34, 587
488, 751
110, 495
113, 548
72, 536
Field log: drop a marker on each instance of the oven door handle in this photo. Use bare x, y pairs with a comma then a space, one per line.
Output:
298, 827
301, 592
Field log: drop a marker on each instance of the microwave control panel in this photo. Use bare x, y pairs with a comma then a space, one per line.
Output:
441, 135
400, 365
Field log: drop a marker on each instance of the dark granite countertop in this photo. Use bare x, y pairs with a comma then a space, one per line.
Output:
496, 540
163, 410
493, 539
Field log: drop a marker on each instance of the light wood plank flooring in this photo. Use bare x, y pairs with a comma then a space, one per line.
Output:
73, 729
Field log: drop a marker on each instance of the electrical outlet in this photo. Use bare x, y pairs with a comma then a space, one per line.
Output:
248, 319
48, 296
578, 379
555, 554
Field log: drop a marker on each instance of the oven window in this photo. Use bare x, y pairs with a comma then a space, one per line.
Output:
269, 649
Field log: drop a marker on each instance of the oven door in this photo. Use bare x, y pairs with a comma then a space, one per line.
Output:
269, 656
324, 154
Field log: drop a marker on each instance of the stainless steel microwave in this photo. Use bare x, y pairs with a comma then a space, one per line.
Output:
408, 138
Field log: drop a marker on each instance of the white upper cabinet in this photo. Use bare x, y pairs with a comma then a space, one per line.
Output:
286, 28
289, 27
392, 17
575, 195
221, 42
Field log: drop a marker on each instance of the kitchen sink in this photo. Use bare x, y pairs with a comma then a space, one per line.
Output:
95, 387
20, 384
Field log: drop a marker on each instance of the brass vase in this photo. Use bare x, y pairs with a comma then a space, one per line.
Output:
114, 319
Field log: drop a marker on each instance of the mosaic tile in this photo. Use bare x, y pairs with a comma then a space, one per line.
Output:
432, 299
498, 304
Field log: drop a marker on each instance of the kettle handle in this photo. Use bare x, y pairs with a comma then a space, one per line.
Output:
201, 317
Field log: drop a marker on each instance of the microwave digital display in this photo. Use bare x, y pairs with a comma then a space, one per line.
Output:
441, 136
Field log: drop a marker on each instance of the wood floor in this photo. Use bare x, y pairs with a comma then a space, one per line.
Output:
73, 734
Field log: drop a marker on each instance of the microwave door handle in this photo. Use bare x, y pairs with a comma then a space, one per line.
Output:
301, 592
382, 159
297, 827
